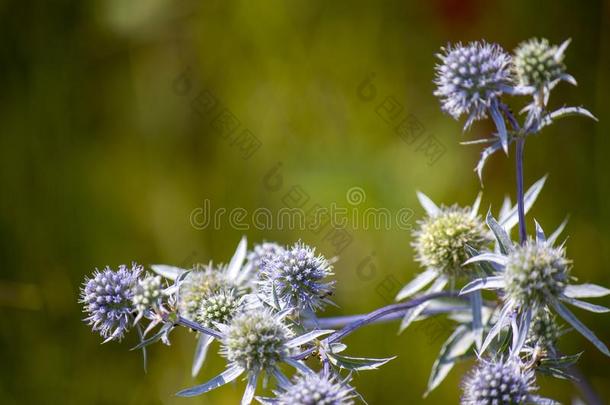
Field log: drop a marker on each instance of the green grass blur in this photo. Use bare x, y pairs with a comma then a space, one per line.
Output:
105, 152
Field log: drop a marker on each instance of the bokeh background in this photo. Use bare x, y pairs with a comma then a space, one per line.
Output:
108, 143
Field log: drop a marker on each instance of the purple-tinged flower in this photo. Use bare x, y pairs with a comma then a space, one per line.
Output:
107, 299
254, 342
533, 277
322, 388
261, 254
501, 382
470, 79
297, 279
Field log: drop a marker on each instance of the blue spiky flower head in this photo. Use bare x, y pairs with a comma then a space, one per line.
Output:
256, 340
534, 272
297, 278
498, 382
538, 63
314, 389
107, 298
470, 78
263, 253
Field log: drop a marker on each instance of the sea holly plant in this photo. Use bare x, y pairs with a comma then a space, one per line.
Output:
264, 308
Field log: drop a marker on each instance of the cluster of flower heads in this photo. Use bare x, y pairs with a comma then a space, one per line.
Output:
516, 335
472, 80
262, 307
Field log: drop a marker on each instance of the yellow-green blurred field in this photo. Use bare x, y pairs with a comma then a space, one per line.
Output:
109, 143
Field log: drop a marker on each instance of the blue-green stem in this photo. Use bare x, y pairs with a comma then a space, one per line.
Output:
520, 145
520, 200
375, 315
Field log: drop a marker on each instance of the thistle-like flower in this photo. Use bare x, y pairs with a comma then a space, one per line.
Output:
535, 273
147, 293
441, 238
218, 307
297, 278
261, 254
538, 63
322, 388
442, 242
501, 382
533, 277
471, 78
107, 299
208, 280
210, 293
254, 342
544, 332
200, 284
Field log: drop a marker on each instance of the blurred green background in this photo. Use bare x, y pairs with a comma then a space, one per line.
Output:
108, 146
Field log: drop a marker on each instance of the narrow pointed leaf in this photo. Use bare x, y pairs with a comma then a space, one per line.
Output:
498, 326
419, 282
540, 236
308, 337
556, 372
524, 327
485, 267
585, 291
282, 380
169, 272
551, 239
429, 206
154, 338
502, 237
144, 354
413, 313
504, 210
498, 120
476, 301
474, 211
585, 305
203, 343
565, 112
238, 259
511, 218
250, 389
562, 361
487, 152
562, 48
487, 257
485, 283
570, 318
456, 345
538, 400
223, 378
302, 367
357, 363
